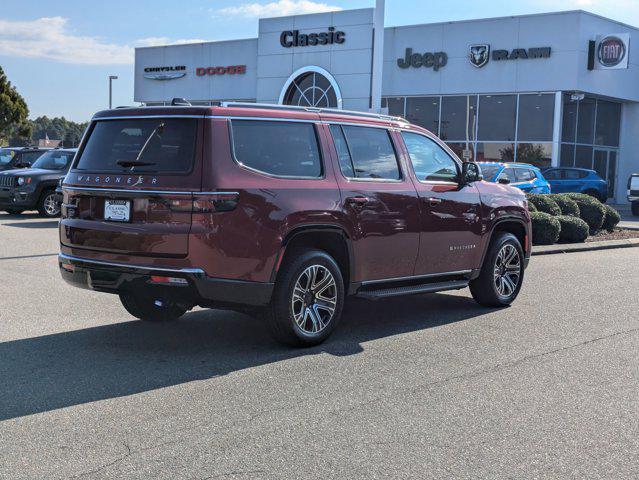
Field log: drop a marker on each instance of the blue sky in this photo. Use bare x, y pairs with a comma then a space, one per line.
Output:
59, 53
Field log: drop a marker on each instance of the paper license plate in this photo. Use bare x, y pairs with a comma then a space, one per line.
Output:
117, 210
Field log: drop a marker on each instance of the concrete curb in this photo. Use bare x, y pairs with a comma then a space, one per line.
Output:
585, 247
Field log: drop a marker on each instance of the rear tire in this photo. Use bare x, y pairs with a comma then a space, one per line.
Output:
48, 205
147, 308
308, 299
501, 274
635, 209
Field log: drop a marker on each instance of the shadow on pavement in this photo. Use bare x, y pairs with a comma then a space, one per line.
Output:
55, 371
39, 224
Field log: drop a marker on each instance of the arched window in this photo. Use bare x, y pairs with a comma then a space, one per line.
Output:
311, 87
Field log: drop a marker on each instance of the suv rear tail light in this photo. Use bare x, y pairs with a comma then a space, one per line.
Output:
168, 280
200, 203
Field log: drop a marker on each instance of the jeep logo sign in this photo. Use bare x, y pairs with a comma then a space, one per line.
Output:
611, 51
435, 60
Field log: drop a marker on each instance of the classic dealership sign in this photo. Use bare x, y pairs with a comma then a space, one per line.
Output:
293, 38
480, 54
165, 73
435, 60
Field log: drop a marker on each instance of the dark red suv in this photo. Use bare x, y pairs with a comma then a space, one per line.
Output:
282, 212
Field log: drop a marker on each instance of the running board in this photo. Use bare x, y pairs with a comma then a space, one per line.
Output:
413, 289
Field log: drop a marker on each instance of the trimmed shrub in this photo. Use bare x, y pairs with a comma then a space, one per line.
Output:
544, 204
531, 207
591, 210
567, 205
611, 219
573, 229
545, 228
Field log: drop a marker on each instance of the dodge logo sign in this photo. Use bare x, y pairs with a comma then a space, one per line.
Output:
479, 55
611, 51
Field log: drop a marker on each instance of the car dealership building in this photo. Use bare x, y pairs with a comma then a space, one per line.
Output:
548, 89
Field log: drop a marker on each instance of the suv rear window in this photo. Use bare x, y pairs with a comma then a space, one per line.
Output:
283, 149
165, 145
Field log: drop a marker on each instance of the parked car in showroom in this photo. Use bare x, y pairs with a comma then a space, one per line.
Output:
525, 177
34, 188
633, 193
19, 157
282, 212
578, 180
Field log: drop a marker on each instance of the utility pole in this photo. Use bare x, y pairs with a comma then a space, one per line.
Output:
111, 78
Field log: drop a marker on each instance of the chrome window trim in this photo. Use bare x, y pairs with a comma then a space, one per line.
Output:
128, 117
301, 120
414, 277
71, 258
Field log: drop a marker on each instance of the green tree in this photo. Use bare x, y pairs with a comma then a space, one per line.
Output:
13, 112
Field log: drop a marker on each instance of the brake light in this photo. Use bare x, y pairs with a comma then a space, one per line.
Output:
168, 280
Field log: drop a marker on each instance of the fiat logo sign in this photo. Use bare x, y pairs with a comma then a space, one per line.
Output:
611, 51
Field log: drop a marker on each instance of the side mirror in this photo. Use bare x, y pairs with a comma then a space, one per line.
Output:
503, 181
471, 173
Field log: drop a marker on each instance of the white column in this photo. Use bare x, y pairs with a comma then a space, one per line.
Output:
556, 130
378, 57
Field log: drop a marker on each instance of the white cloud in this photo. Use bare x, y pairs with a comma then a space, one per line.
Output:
158, 41
50, 38
278, 8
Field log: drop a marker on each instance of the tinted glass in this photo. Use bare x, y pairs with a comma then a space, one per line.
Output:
567, 155
525, 175
287, 149
489, 172
455, 112
6, 155
30, 157
571, 174
586, 121
372, 153
497, 117
583, 157
395, 105
344, 157
552, 174
429, 160
608, 121
495, 152
423, 111
140, 145
536, 114
54, 160
537, 154
569, 121
508, 174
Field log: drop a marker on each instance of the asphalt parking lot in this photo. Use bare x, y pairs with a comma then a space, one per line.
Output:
430, 386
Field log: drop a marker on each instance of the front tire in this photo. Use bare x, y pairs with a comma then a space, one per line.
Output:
501, 274
308, 299
48, 205
149, 309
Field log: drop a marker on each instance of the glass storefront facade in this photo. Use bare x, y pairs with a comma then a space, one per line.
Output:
590, 136
503, 128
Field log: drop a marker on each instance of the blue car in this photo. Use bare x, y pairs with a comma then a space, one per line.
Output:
521, 175
579, 180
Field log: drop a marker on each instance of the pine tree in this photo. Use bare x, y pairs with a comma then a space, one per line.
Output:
13, 112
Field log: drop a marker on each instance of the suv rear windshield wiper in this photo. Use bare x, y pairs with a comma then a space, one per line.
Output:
133, 163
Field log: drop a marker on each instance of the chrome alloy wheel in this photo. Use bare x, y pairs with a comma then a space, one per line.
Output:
507, 273
51, 206
314, 299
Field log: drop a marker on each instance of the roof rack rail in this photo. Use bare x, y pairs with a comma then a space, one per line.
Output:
336, 111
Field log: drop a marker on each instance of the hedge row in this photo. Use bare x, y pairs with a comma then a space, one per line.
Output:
568, 217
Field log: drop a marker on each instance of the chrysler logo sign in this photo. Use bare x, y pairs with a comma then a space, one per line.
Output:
611, 51
165, 73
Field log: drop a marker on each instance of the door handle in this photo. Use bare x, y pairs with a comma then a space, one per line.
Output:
433, 201
357, 201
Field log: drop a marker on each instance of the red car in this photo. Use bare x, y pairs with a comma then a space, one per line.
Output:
282, 212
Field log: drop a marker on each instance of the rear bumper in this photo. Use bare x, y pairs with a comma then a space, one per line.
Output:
199, 290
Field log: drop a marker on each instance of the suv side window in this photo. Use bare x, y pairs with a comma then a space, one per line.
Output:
283, 149
430, 161
572, 174
370, 150
525, 175
508, 174
552, 174
343, 155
